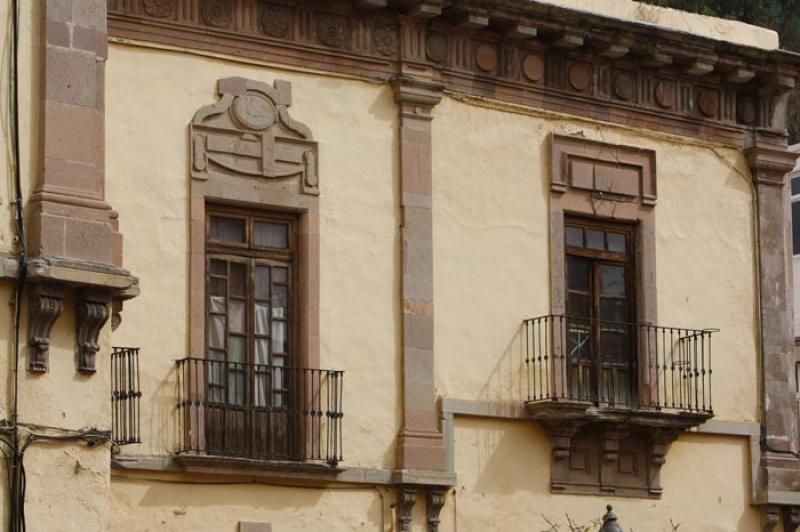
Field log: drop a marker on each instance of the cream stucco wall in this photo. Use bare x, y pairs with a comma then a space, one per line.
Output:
28, 79
151, 97
503, 483
491, 234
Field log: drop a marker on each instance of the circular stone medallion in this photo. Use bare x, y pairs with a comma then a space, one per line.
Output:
436, 47
623, 86
254, 111
665, 94
708, 102
486, 57
533, 67
580, 76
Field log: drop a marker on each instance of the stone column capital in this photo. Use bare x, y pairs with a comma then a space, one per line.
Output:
769, 158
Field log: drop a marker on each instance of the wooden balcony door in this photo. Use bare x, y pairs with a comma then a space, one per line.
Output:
249, 380
600, 307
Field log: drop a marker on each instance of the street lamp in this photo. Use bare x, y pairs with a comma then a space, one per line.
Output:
610, 523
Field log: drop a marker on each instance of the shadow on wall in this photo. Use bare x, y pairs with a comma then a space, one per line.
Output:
507, 381
499, 466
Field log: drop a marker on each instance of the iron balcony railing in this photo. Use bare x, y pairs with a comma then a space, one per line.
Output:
618, 365
260, 412
125, 395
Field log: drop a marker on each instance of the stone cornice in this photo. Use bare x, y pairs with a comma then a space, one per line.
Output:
523, 52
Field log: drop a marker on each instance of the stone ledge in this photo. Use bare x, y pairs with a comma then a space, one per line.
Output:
73, 273
284, 472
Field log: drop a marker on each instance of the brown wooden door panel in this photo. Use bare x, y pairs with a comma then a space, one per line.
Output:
600, 307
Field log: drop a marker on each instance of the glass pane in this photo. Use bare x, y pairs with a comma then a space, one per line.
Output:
613, 309
280, 301
236, 350
278, 377
271, 235
280, 400
612, 280
578, 271
262, 351
216, 332
595, 239
227, 229
238, 279
796, 228
579, 342
614, 346
574, 236
260, 392
278, 336
217, 267
280, 275
236, 316
262, 283
236, 389
617, 242
262, 318
578, 305
216, 304
795, 186
217, 287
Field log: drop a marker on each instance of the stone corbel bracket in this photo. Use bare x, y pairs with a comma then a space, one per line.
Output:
92, 312
45, 304
248, 133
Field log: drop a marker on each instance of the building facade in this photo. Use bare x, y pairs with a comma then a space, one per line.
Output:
395, 265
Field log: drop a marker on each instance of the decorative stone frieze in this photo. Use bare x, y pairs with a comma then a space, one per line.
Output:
529, 54
249, 133
91, 313
45, 304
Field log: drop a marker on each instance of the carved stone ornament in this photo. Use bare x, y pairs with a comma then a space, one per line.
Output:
385, 39
92, 311
435, 500
159, 8
332, 30
580, 76
533, 67
486, 57
665, 94
615, 173
45, 304
217, 13
624, 86
436, 47
406, 498
708, 102
248, 133
276, 21
791, 519
614, 459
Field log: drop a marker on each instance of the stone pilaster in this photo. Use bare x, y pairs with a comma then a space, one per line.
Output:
769, 163
420, 442
68, 215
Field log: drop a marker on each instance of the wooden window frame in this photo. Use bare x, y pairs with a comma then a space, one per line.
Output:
251, 255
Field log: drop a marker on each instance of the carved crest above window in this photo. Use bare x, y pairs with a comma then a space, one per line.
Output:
608, 171
248, 133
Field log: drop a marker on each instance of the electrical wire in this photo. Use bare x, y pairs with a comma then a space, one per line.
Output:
16, 473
